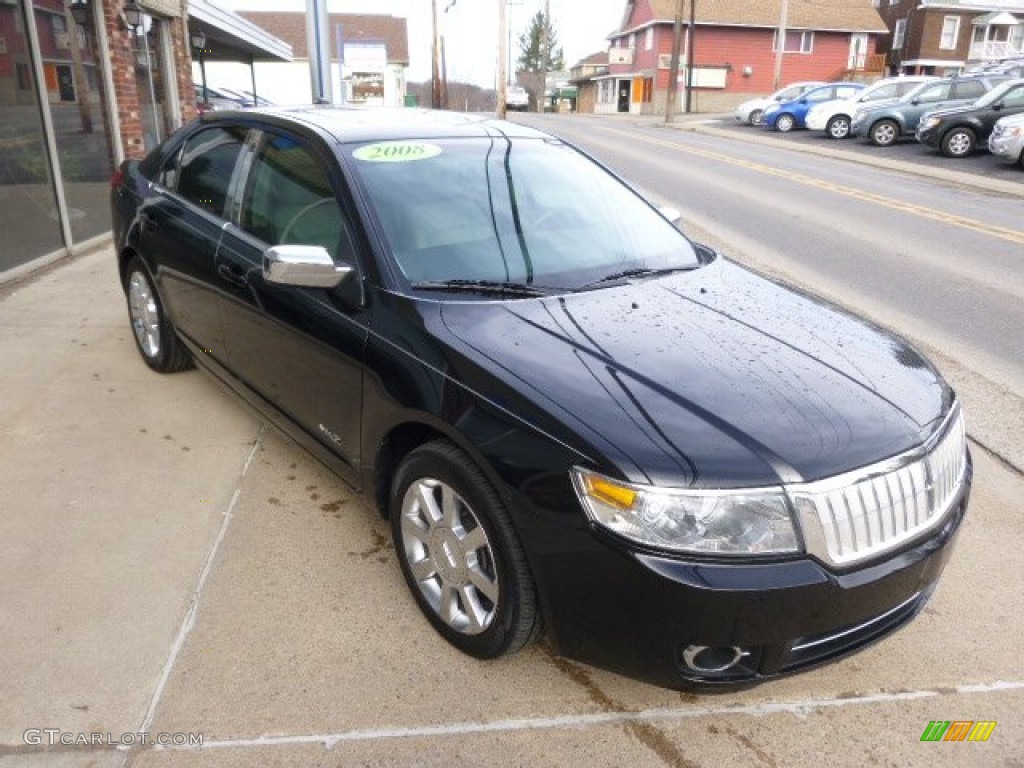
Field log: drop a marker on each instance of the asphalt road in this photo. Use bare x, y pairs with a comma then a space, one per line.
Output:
938, 262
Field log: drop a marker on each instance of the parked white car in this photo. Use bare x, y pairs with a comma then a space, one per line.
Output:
750, 111
1007, 139
834, 117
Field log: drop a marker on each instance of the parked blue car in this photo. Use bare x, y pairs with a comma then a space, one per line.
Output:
786, 115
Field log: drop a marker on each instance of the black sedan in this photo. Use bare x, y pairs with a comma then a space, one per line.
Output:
575, 418
957, 131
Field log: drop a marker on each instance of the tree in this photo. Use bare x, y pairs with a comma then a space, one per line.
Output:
530, 43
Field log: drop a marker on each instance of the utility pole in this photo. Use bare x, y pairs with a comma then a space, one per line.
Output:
544, 55
502, 58
673, 67
690, 47
435, 62
780, 45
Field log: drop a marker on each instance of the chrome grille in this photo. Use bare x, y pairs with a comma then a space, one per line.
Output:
861, 514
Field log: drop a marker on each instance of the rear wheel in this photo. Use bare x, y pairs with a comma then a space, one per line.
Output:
785, 123
884, 133
838, 127
959, 142
460, 555
155, 338
755, 117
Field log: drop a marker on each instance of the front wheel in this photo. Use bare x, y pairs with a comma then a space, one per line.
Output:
785, 123
755, 116
155, 337
959, 142
460, 555
884, 133
838, 127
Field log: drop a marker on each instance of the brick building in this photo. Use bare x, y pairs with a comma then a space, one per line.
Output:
938, 37
85, 84
734, 50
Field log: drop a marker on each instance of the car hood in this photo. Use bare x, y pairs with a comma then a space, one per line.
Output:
711, 378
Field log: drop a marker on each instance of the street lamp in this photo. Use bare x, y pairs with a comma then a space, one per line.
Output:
81, 12
199, 44
132, 14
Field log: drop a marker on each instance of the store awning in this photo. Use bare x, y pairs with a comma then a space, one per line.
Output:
229, 37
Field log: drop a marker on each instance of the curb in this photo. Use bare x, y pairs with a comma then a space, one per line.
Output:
959, 178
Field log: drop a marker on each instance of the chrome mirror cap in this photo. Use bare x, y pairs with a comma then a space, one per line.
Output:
307, 266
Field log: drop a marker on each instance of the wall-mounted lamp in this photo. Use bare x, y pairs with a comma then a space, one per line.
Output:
131, 13
81, 12
748, 70
199, 40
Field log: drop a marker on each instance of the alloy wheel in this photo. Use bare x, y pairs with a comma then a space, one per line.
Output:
144, 313
449, 556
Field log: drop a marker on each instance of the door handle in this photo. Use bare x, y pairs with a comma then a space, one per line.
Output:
233, 273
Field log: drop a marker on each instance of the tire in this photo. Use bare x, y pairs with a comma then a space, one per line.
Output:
884, 133
959, 142
460, 555
155, 337
755, 117
785, 123
838, 127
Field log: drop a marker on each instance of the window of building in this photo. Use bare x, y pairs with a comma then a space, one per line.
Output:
796, 41
950, 33
898, 34
649, 38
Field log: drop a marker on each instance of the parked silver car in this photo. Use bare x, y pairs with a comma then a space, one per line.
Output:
1007, 139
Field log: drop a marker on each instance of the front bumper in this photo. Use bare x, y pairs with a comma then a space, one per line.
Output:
641, 613
1007, 148
930, 137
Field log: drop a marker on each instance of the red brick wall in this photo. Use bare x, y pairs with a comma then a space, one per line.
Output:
122, 67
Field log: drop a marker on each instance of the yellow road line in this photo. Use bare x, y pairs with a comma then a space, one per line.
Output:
1003, 233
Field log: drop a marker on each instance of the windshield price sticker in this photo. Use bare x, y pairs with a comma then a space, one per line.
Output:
396, 152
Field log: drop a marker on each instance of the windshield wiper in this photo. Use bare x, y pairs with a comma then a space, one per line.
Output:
637, 272
493, 287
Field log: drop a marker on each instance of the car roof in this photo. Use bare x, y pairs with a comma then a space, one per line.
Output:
358, 124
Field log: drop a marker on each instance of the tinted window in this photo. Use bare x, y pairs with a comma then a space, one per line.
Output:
1014, 98
528, 210
207, 162
846, 92
904, 88
936, 92
972, 89
822, 94
290, 200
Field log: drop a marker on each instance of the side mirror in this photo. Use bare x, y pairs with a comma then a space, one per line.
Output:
305, 266
998, 105
671, 215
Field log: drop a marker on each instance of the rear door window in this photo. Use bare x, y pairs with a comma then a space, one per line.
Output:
206, 165
937, 92
972, 89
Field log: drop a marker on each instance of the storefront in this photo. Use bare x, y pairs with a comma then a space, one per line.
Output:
83, 85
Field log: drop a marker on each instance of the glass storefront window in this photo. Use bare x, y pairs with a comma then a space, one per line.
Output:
28, 208
77, 106
149, 81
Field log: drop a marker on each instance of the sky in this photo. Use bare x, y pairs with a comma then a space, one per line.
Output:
470, 28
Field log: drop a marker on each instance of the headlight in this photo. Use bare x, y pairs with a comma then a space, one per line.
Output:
742, 522
931, 122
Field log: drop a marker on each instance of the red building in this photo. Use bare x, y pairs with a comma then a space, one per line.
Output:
734, 50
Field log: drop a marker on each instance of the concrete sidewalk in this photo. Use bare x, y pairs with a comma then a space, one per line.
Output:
169, 565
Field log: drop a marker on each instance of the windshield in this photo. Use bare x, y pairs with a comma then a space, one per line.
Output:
529, 211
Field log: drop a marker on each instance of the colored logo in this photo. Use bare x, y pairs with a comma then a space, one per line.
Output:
958, 730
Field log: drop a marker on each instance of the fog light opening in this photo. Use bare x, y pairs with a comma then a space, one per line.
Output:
708, 660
